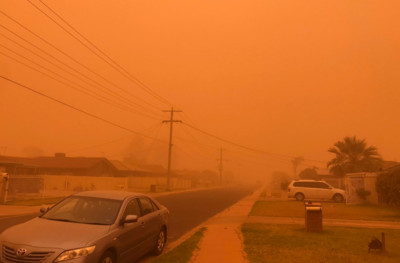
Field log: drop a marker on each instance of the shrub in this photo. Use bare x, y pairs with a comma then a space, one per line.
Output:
362, 193
309, 173
284, 184
388, 188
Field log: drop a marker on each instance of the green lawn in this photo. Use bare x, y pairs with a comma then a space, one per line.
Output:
183, 252
330, 210
289, 243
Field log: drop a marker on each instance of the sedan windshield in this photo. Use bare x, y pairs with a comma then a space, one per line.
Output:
87, 210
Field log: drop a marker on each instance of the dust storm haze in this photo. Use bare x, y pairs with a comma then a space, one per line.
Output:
285, 78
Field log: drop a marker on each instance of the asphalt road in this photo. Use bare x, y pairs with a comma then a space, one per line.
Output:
187, 209
7, 222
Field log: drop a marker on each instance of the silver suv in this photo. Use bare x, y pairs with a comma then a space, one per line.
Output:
312, 189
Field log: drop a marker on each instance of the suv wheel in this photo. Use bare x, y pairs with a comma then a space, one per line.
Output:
338, 198
299, 197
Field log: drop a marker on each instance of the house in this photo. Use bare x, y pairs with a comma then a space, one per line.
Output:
60, 175
59, 164
355, 182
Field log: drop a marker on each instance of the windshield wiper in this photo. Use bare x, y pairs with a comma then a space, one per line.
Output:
95, 223
60, 219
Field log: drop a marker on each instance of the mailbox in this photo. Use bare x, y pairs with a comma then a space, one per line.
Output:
313, 216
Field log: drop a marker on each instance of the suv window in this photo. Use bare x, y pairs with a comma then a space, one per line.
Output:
304, 184
322, 185
311, 185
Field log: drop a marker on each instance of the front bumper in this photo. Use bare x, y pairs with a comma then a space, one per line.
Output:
15, 253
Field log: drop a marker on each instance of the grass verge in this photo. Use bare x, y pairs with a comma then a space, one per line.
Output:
182, 253
277, 243
330, 210
35, 202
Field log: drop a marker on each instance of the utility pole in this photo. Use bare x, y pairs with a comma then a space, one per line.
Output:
171, 121
221, 165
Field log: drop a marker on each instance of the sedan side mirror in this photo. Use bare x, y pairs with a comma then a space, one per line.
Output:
129, 219
44, 209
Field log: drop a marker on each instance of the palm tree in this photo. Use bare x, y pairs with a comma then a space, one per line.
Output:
296, 162
353, 155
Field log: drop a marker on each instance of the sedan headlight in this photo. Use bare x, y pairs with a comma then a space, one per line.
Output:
75, 253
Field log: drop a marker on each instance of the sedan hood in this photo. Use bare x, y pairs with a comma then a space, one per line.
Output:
40, 232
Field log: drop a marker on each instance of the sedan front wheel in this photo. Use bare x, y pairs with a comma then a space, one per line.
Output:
160, 243
107, 257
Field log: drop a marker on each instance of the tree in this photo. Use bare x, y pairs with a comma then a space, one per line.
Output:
296, 162
388, 187
280, 180
309, 173
353, 155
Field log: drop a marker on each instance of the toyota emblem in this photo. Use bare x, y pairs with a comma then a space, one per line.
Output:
21, 252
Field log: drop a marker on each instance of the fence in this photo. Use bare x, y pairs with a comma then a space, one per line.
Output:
24, 186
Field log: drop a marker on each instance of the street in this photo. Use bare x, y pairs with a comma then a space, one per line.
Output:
189, 209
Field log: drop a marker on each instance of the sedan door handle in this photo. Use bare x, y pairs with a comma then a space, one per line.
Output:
142, 223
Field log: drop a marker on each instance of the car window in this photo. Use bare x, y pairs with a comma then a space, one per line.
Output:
132, 208
298, 184
146, 205
312, 184
87, 210
304, 184
155, 207
323, 185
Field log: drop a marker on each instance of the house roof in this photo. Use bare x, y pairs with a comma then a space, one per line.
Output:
56, 162
120, 165
389, 165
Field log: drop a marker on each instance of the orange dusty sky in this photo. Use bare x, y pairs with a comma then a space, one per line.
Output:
287, 77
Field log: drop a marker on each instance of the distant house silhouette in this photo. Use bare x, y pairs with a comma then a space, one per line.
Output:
60, 164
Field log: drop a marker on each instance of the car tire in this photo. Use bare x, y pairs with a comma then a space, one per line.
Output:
160, 242
299, 197
108, 257
338, 198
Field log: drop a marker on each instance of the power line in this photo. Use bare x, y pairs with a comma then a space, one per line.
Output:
118, 67
74, 85
246, 147
242, 157
151, 148
73, 59
98, 97
77, 109
277, 156
149, 90
100, 86
92, 93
